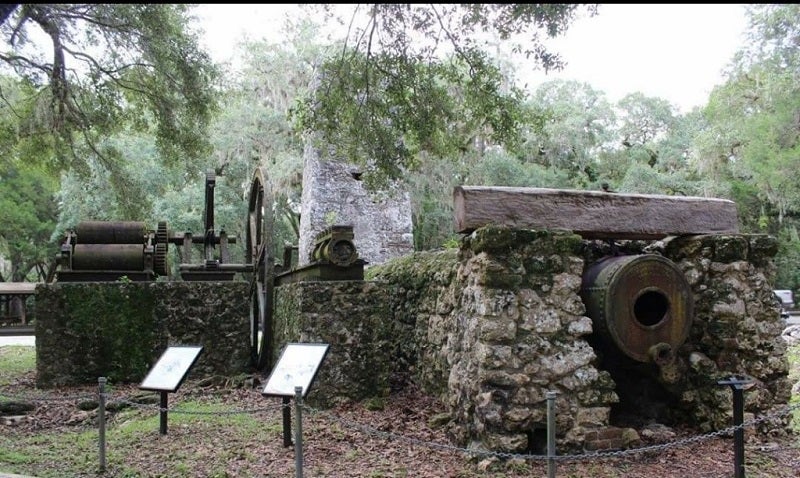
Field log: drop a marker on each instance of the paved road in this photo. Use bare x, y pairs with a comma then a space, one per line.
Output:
18, 340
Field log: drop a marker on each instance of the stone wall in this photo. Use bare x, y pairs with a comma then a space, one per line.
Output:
333, 196
507, 328
118, 330
354, 319
737, 327
489, 328
503, 323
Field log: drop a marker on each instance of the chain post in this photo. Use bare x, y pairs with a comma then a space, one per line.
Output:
298, 432
287, 422
101, 421
738, 385
551, 434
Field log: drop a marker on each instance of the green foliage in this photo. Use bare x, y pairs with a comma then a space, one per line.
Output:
787, 260
383, 111
578, 125
27, 213
752, 140
643, 179
111, 66
253, 129
386, 100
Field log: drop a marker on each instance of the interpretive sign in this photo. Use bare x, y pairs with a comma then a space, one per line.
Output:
168, 374
171, 368
297, 367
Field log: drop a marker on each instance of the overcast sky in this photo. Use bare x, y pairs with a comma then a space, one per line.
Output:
672, 51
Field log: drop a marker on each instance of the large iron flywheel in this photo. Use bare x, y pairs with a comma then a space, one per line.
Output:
260, 254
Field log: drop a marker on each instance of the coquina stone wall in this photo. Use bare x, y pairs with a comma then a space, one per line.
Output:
499, 328
489, 328
119, 329
353, 317
736, 330
494, 326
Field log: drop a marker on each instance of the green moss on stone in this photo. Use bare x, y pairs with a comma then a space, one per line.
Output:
416, 271
499, 239
730, 249
763, 248
500, 278
115, 325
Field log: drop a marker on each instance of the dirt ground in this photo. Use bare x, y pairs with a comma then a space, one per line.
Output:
403, 438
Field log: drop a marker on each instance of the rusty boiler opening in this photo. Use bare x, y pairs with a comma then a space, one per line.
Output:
651, 308
641, 307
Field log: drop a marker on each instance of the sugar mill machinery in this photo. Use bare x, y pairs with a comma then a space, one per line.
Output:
259, 251
100, 251
642, 307
107, 251
97, 251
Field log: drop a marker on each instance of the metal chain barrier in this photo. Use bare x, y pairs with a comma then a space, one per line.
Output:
223, 412
595, 455
600, 454
44, 398
369, 430
127, 401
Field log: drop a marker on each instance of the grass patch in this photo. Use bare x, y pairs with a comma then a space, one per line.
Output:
193, 435
74, 453
208, 436
793, 355
16, 361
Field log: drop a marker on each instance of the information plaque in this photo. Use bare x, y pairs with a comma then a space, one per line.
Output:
297, 367
171, 369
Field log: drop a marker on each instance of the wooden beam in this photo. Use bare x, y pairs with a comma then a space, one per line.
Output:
18, 288
592, 214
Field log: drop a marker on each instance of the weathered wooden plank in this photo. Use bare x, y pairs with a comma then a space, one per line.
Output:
16, 331
17, 288
592, 214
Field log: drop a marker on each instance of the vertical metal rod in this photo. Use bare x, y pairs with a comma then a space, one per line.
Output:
298, 432
738, 433
163, 414
287, 422
187, 248
101, 419
738, 385
551, 434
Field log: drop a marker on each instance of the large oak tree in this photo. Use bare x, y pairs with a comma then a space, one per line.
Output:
97, 68
421, 79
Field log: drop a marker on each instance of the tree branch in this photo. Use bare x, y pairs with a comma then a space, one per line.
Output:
6, 10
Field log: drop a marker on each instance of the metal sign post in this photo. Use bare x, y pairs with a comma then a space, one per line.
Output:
298, 432
162, 415
168, 374
292, 377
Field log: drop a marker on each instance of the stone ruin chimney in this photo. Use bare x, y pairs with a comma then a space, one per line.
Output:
333, 194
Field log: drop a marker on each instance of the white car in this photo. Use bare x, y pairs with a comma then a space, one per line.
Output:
786, 299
